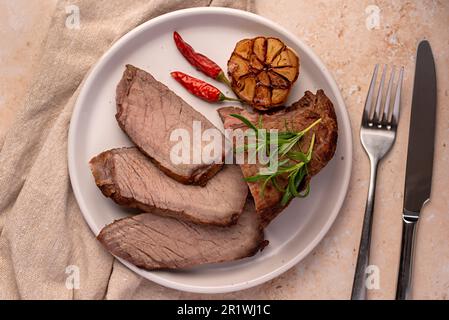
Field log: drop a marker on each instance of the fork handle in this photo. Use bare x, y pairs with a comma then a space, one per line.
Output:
359, 285
404, 286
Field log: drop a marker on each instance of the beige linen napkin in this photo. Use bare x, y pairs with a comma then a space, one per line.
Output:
47, 251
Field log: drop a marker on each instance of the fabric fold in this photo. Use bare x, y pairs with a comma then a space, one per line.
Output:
47, 251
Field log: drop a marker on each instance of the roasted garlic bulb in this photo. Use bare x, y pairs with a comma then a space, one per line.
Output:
262, 71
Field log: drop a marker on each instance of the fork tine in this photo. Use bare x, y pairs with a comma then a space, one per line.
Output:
387, 108
397, 99
377, 112
369, 98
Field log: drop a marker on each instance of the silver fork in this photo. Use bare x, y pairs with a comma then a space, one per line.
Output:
377, 134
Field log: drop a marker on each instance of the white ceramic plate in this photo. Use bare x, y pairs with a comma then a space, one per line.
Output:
214, 32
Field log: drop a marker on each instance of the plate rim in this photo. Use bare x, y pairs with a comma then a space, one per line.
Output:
153, 276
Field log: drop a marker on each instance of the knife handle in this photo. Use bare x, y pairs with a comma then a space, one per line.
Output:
404, 286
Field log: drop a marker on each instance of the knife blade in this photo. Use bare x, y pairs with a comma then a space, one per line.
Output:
418, 175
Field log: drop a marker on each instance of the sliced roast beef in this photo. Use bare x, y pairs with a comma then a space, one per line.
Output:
131, 180
154, 242
297, 117
149, 112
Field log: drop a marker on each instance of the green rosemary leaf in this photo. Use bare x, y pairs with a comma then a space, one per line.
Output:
298, 156
286, 197
283, 149
298, 179
276, 185
264, 185
283, 162
309, 152
273, 157
306, 193
286, 136
245, 121
255, 178
311, 126
295, 172
292, 185
286, 169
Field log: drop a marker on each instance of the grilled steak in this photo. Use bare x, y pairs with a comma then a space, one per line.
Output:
154, 242
297, 117
131, 180
148, 112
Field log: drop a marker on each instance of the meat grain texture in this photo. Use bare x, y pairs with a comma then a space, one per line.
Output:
149, 112
154, 242
132, 180
297, 117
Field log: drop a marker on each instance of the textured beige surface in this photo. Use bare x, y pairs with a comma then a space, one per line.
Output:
23, 27
337, 31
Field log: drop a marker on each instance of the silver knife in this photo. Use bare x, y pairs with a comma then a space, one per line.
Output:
418, 176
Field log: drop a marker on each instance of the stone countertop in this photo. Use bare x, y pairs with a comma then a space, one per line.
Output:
350, 37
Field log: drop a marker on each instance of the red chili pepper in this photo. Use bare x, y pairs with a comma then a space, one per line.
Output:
200, 61
200, 88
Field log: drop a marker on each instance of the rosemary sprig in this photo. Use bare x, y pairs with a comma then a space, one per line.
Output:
292, 164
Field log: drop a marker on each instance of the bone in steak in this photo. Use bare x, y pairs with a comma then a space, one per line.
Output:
297, 117
148, 112
154, 242
131, 180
